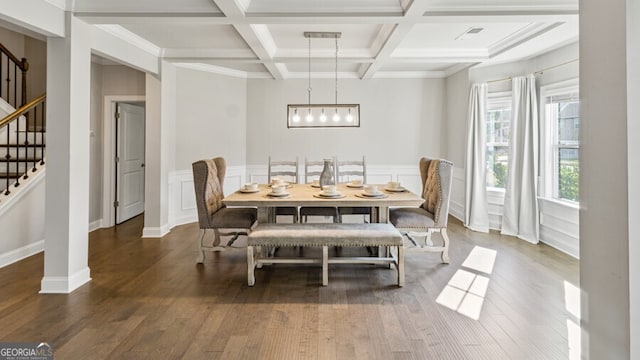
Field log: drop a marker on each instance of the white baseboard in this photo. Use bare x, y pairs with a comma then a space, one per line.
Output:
64, 284
155, 232
21, 253
95, 225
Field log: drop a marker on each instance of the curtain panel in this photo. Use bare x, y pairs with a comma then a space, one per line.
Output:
476, 207
521, 217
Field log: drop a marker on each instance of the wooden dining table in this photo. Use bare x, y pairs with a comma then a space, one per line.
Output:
307, 195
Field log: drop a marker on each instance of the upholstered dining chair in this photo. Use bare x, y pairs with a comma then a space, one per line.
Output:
313, 170
230, 223
288, 171
346, 170
433, 214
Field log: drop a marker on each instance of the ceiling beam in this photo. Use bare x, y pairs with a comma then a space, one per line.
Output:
413, 12
256, 36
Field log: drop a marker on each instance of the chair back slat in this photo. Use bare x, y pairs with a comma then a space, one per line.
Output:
285, 169
348, 169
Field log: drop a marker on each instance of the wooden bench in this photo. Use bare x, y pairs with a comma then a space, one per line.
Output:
324, 235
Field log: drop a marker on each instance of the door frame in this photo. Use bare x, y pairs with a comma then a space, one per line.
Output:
109, 153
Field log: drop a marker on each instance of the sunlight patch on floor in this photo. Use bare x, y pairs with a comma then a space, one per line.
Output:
465, 291
481, 259
572, 304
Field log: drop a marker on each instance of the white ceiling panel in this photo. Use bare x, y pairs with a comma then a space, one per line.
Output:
414, 66
190, 36
265, 38
325, 6
443, 36
322, 67
290, 38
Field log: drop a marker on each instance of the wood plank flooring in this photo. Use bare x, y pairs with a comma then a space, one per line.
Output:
149, 300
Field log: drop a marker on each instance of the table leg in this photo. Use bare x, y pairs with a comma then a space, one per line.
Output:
263, 215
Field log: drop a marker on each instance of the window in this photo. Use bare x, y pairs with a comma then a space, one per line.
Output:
498, 125
561, 107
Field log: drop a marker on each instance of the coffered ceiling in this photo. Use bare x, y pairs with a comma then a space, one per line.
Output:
380, 38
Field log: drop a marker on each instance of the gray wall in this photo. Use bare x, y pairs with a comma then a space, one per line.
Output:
401, 120
457, 112
210, 117
35, 51
106, 80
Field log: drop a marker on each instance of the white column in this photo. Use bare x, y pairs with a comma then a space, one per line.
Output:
159, 149
633, 145
605, 200
67, 187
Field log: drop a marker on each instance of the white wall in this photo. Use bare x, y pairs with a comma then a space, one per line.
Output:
604, 211
211, 117
401, 120
22, 220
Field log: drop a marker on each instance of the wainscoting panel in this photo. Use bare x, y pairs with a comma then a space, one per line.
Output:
560, 226
495, 198
456, 204
182, 205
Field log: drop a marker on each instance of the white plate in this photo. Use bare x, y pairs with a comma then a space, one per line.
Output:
249, 191
278, 195
379, 196
322, 193
396, 190
355, 186
336, 196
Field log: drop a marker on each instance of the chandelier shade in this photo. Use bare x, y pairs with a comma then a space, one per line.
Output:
311, 115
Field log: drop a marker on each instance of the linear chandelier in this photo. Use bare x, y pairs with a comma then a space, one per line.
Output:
323, 115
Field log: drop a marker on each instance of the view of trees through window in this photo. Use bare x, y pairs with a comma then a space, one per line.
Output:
566, 152
498, 124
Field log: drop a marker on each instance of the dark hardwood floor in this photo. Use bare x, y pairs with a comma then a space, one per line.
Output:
149, 300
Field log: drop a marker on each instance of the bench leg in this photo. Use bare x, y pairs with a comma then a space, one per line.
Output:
251, 279
325, 265
400, 266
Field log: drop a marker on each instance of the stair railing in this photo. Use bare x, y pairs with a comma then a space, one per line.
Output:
13, 91
24, 148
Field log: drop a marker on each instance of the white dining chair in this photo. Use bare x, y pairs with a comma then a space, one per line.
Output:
286, 170
347, 170
312, 171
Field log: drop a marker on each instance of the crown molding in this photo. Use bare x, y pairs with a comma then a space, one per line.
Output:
133, 39
214, 69
409, 75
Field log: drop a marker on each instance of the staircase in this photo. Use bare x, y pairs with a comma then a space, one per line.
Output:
22, 125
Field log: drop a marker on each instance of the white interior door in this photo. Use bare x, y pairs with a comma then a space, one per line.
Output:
129, 161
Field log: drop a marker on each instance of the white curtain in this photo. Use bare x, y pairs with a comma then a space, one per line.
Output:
476, 208
521, 217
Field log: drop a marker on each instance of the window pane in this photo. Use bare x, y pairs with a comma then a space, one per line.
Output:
568, 123
498, 125
497, 157
568, 174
